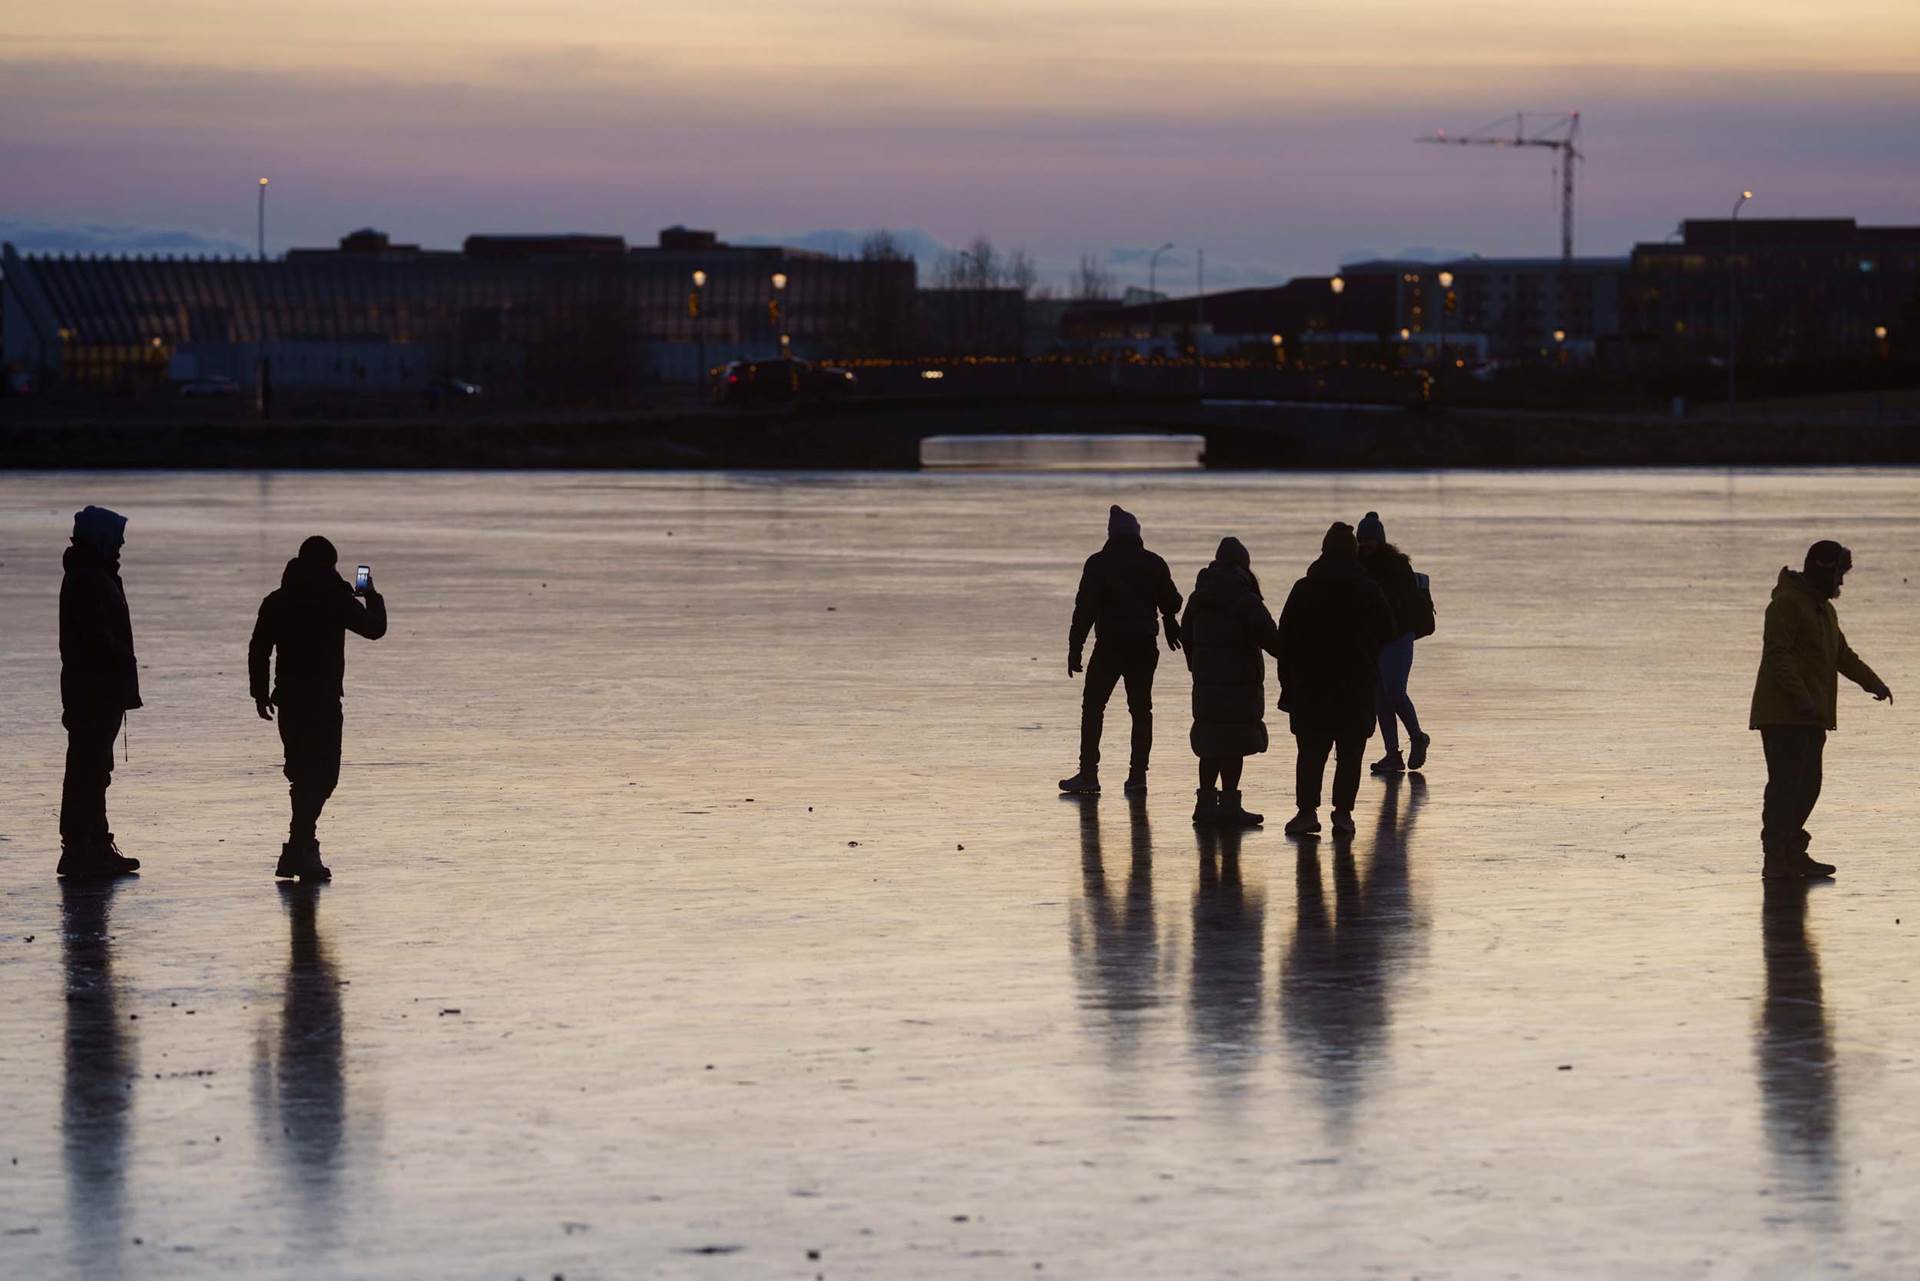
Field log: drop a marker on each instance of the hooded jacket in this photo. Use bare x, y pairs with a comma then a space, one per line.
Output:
97, 668
1124, 588
1802, 657
1224, 631
307, 620
1331, 631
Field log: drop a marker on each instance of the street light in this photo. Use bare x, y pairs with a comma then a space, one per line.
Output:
263, 220
1446, 305
699, 333
1279, 350
776, 311
1733, 302
1153, 294
1338, 285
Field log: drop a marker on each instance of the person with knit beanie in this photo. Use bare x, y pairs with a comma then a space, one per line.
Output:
1331, 630
1125, 594
99, 685
1392, 572
1226, 629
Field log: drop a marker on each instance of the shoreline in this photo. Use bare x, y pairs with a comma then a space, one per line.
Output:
885, 436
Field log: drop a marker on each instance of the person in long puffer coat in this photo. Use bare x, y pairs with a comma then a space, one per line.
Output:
1226, 629
1331, 630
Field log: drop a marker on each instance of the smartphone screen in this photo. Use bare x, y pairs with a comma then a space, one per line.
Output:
362, 578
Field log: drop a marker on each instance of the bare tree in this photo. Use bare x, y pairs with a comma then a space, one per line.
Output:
1093, 283
1020, 273
881, 245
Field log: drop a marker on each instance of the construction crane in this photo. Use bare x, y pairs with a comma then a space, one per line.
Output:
1562, 136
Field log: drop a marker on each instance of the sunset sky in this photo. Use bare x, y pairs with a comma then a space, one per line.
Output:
1277, 135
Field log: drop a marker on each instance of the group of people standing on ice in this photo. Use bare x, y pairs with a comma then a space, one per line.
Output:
1343, 648
303, 624
1342, 645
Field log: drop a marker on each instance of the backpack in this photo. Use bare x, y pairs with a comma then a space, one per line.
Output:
1422, 601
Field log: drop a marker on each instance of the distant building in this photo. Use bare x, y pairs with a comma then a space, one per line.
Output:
1806, 289
549, 316
1522, 306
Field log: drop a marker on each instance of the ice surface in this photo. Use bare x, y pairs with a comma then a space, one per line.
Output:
652, 934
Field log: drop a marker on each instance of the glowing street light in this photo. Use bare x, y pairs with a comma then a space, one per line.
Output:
1338, 285
775, 311
1880, 332
263, 220
1559, 335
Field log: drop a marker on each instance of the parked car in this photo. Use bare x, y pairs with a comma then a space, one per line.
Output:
750, 384
216, 385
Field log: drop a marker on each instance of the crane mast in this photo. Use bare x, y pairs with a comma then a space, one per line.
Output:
1562, 136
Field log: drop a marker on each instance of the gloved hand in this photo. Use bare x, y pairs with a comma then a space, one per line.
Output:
1173, 632
264, 707
1883, 694
1073, 663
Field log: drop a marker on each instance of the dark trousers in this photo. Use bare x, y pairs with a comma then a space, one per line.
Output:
1109, 667
1794, 759
1311, 767
83, 793
310, 732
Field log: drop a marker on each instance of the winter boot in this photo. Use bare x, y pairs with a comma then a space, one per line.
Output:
1206, 807
300, 860
117, 864
1305, 823
1137, 783
1085, 783
1389, 764
1417, 758
1230, 814
1342, 823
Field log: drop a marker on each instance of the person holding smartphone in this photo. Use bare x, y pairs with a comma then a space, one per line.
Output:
306, 621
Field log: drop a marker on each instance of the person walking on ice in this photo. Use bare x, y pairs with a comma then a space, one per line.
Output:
1392, 572
1795, 703
1125, 592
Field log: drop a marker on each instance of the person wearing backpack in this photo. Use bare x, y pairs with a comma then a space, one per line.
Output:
1412, 607
1125, 593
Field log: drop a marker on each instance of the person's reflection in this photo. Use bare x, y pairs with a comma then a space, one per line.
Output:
1793, 1051
1336, 978
1228, 935
1116, 945
98, 1088
302, 1107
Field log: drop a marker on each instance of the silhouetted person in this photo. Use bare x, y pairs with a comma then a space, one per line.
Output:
1115, 939
99, 685
1124, 591
1331, 630
1392, 572
307, 621
1793, 1049
1223, 1004
1795, 701
97, 1088
1226, 629
306, 1108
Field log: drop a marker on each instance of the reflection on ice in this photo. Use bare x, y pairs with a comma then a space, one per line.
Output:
97, 1095
1793, 1051
1337, 980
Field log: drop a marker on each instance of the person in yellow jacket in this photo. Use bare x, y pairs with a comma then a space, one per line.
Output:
1794, 699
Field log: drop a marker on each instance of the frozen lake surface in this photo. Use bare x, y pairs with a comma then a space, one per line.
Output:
654, 950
